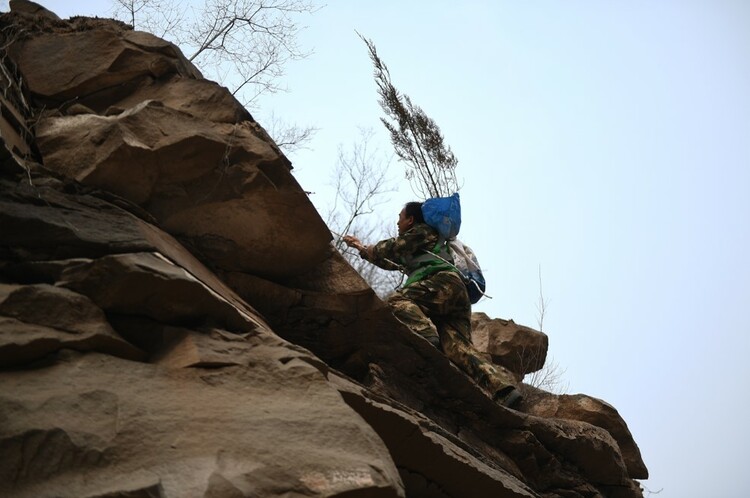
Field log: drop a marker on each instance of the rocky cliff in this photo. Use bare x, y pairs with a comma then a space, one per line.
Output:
174, 321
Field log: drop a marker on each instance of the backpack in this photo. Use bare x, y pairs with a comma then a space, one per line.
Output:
466, 262
444, 215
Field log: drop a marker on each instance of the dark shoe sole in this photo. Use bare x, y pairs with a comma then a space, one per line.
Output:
508, 397
512, 399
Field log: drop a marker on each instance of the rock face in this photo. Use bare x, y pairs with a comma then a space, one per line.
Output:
194, 159
174, 321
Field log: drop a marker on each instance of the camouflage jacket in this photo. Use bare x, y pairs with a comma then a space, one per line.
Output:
403, 252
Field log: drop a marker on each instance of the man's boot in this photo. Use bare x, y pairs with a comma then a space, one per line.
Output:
508, 397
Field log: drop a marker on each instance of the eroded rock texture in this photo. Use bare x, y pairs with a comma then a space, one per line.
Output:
174, 321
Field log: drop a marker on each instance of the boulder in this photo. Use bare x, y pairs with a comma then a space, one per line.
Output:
593, 411
115, 60
221, 188
590, 450
519, 348
32, 8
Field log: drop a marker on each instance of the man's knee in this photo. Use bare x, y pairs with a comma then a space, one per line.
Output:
395, 298
411, 315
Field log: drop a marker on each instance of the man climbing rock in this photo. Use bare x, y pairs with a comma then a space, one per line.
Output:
434, 302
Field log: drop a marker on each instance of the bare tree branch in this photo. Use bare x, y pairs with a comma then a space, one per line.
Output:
290, 137
255, 38
550, 376
361, 184
541, 305
160, 17
243, 44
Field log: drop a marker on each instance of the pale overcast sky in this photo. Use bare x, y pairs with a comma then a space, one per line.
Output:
607, 143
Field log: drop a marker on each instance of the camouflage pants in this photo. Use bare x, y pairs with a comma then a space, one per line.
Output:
438, 307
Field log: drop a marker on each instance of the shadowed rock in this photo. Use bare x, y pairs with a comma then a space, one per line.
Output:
149, 284
431, 462
36, 320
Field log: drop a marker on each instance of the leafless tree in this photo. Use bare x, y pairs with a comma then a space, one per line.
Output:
551, 376
289, 137
160, 17
383, 282
361, 184
541, 305
242, 44
250, 40
416, 138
